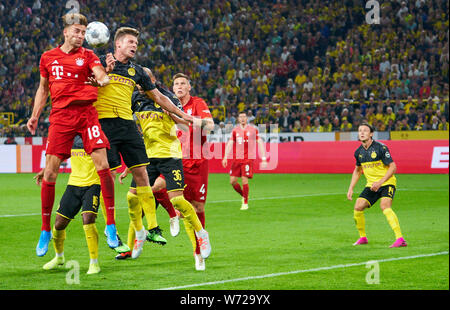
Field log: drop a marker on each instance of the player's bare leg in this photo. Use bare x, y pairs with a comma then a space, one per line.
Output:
100, 160
358, 214
51, 170
386, 207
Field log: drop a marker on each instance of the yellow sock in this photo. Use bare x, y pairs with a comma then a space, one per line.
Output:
58, 240
102, 203
191, 233
393, 222
91, 233
147, 201
187, 210
131, 235
360, 222
135, 211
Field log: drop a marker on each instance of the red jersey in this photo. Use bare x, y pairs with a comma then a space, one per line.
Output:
192, 151
67, 74
244, 139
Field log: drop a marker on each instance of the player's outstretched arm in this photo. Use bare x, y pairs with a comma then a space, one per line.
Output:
39, 103
100, 78
355, 178
167, 105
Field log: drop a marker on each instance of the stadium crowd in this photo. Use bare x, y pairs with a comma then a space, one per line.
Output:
304, 65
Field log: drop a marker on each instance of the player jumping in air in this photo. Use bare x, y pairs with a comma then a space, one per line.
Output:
66, 75
374, 160
165, 156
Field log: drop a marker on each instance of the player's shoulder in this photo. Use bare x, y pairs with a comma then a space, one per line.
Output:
359, 149
379, 145
198, 100
49, 53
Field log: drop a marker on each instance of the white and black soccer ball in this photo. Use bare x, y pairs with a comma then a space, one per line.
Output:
97, 34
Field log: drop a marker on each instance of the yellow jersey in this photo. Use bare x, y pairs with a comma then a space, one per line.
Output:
158, 128
114, 99
375, 163
83, 169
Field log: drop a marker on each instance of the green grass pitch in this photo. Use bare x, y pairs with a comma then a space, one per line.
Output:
297, 235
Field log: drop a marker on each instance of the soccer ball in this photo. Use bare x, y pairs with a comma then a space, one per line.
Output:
97, 34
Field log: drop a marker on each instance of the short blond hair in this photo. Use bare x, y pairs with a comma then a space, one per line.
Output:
181, 75
122, 31
74, 18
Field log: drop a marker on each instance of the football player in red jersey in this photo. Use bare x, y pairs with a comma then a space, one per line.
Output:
195, 165
66, 75
244, 137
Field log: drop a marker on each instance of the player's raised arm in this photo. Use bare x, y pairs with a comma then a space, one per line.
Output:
355, 178
39, 103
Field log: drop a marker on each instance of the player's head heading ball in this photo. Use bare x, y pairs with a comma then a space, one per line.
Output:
74, 29
126, 41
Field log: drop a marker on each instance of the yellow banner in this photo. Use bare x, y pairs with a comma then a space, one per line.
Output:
420, 135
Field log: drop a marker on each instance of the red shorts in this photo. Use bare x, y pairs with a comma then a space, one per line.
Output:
74, 120
196, 180
242, 168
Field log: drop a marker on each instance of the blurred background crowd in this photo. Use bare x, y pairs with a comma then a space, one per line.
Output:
308, 66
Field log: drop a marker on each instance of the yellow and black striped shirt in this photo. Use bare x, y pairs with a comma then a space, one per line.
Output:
114, 99
83, 169
375, 163
159, 129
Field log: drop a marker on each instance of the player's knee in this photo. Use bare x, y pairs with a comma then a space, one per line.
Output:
50, 174
89, 218
140, 176
61, 222
199, 207
360, 205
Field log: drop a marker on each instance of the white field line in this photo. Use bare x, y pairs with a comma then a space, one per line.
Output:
255, 199
272, 275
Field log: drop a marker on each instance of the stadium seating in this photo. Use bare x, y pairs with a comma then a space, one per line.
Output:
304, 65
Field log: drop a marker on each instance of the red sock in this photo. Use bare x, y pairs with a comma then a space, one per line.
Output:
107, 186
245, 192
47, 200
197, 248
237, 188
164, 200
201, 217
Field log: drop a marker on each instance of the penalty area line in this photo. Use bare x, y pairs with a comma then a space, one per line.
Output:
250, 199
272, 275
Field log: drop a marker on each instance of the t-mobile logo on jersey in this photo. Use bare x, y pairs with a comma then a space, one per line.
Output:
58, 71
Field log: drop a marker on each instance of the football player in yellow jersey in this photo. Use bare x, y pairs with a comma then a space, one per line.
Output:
374, 160
82, 192
164, 152
115, 116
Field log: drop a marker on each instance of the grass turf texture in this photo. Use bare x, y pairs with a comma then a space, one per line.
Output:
294, 223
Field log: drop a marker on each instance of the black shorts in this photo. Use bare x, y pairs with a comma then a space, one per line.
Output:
124, 139
387, 191
86, 198
170, 168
